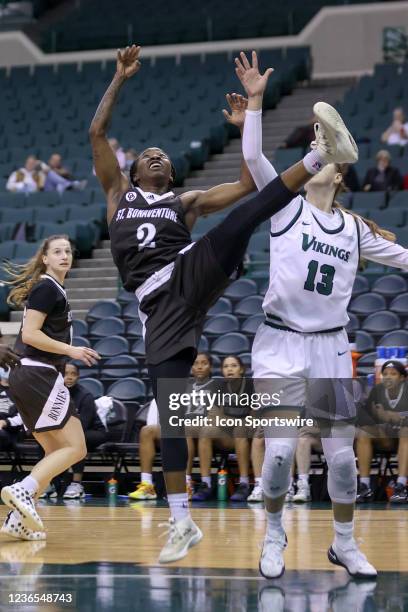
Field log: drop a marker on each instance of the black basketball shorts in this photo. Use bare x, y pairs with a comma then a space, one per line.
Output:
175, 301
41, 397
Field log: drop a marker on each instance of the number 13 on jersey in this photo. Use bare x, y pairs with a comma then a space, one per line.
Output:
325, 286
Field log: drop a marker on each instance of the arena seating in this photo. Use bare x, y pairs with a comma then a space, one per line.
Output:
99, 24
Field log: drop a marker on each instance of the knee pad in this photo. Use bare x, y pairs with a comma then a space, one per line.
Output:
342, 476
276, 469
174, 454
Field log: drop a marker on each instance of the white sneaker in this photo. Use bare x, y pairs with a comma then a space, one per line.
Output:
303, 492
290, 494
74, 491
352, 559
256, 495
14, 526
271, 563
333, 141
182, 535
18, 498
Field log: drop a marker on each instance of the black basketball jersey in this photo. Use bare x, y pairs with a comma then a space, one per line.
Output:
146, 234
48, 296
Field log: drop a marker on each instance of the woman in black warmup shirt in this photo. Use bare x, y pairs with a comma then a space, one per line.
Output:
37, 386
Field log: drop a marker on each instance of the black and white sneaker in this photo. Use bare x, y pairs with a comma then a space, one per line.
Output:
353, 560
364, 494
400, 494
14, 526
18, 498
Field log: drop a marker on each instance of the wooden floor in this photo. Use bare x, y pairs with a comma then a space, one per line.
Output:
232, 537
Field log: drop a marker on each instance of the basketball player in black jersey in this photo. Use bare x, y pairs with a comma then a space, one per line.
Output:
37, 385
175, 280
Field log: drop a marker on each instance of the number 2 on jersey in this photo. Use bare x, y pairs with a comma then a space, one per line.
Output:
145, 233
325, 286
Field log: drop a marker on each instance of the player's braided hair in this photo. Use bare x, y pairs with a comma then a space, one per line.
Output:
25, 276
376, 230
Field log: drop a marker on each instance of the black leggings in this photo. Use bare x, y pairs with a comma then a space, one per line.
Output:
230, 238
229, 241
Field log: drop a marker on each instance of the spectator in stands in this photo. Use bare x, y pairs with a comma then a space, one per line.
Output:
383, 177
119, 152
55, 163
397, 132
150, 434
95, 433
387, 407
10, 421
301, 136
38, 176
309, 440
27, 179
227, 438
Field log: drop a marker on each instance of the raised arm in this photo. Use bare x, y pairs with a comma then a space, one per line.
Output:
254, 83
105, 162
206, 202
380, 250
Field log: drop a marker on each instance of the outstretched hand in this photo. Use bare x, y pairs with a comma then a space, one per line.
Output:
252, 80
128, 63
238, 105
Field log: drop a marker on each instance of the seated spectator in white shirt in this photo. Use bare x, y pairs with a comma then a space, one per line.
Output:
28, 179
397, 132
38, 176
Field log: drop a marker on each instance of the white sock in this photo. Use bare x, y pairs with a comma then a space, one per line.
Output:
343, 533
146, 477
312, 162
304, 478
207, 480
274, 521
188, 479
244, 480
30, 484
258, 481
178, 503
365, 480
402, 480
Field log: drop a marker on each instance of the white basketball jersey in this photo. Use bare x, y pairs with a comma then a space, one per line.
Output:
313, 263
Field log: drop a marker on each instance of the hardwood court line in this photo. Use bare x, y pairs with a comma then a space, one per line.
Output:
140, 576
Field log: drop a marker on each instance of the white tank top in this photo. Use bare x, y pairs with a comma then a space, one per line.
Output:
313, 262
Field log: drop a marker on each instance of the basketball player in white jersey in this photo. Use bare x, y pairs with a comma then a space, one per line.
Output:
314, 253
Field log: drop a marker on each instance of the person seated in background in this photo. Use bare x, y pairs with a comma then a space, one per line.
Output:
384, 426
309, 440
95, 432
301, 136
28, 179
383, 177
397, 132
149, 439
55, 163
131, 156
38, 176
227, 438
10, 421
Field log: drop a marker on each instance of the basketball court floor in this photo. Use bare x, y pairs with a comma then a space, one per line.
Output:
104, 557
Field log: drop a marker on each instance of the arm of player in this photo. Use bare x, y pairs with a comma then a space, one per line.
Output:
217, 198
376, 248
106, 165
254, 83
32, 335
